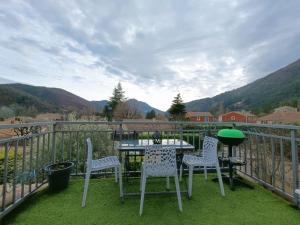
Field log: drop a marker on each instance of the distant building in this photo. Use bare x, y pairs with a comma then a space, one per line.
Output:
281, 117
285, 109
199, 116
234, 116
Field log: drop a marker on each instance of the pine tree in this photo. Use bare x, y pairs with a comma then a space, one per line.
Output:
117, 97
177, 109
151, 114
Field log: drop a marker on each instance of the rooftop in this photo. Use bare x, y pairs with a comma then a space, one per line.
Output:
192, 114
282, 117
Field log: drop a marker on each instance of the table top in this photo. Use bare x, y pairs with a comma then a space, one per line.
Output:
139, 144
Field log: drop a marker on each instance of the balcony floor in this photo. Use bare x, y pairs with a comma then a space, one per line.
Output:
243, 206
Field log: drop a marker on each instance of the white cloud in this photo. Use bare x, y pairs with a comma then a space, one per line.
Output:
155, 48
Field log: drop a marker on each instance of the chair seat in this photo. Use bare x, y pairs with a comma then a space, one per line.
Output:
192, 160
106, 162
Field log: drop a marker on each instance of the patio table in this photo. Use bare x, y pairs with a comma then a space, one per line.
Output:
138, 146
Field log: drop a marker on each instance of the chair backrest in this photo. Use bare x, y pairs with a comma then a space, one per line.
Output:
89, 157
160, 160
210, 146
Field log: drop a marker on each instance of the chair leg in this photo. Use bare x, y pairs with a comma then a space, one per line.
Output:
180, 173
205, 172
190, 181
141, 180
120, 182
143, 194
116, 174
178, 192
220, 179
86, 186
168, 183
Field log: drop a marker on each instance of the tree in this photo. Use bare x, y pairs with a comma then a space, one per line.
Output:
151, 114
117, 98
6, 112
177, 109
126, 111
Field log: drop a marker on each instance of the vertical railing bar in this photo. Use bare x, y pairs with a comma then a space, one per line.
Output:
4, 177
100, 147
199, 140
15, 170
295, 172
84, 150
48, 148
240, 153
181, 135
53, 143
250, 152
43, 156
30, 163
23, 166
282, 158
77, 152
257, 157
273, 161
63, 145
245, 156
37, 160
193, 138
70, 146
264, 160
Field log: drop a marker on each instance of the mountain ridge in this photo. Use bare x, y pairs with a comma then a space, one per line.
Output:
277, 88
47, 99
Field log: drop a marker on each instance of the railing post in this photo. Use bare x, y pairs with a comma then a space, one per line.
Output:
120, 132
181, 134
53, 143
295, 165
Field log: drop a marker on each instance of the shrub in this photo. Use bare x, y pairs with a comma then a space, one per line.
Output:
10, 164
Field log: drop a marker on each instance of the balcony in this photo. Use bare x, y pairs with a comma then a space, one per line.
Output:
271, 154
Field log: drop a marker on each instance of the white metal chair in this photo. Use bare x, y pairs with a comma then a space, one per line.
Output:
159, 161
100, 164
208, 159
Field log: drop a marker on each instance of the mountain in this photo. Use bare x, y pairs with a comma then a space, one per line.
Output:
42, 99
6, 81
29, 100
98, 106
281, 87
143, 107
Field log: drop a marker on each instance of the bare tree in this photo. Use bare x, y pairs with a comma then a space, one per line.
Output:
125, 111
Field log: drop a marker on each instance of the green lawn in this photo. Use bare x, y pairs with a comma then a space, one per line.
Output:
243, 206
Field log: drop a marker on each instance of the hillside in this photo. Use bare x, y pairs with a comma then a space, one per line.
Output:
143, 107
278, 88
98, 106
40, 99
29, 100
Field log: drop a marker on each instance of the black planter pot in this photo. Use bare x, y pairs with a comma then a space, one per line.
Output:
59, 175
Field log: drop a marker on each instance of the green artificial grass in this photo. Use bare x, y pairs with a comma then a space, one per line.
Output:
242, 206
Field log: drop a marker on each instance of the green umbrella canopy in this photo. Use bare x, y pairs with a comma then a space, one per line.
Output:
231, 133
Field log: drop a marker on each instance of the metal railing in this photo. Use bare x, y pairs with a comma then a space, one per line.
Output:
271, 152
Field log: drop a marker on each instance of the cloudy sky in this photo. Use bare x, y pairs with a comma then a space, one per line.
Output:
154, 48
